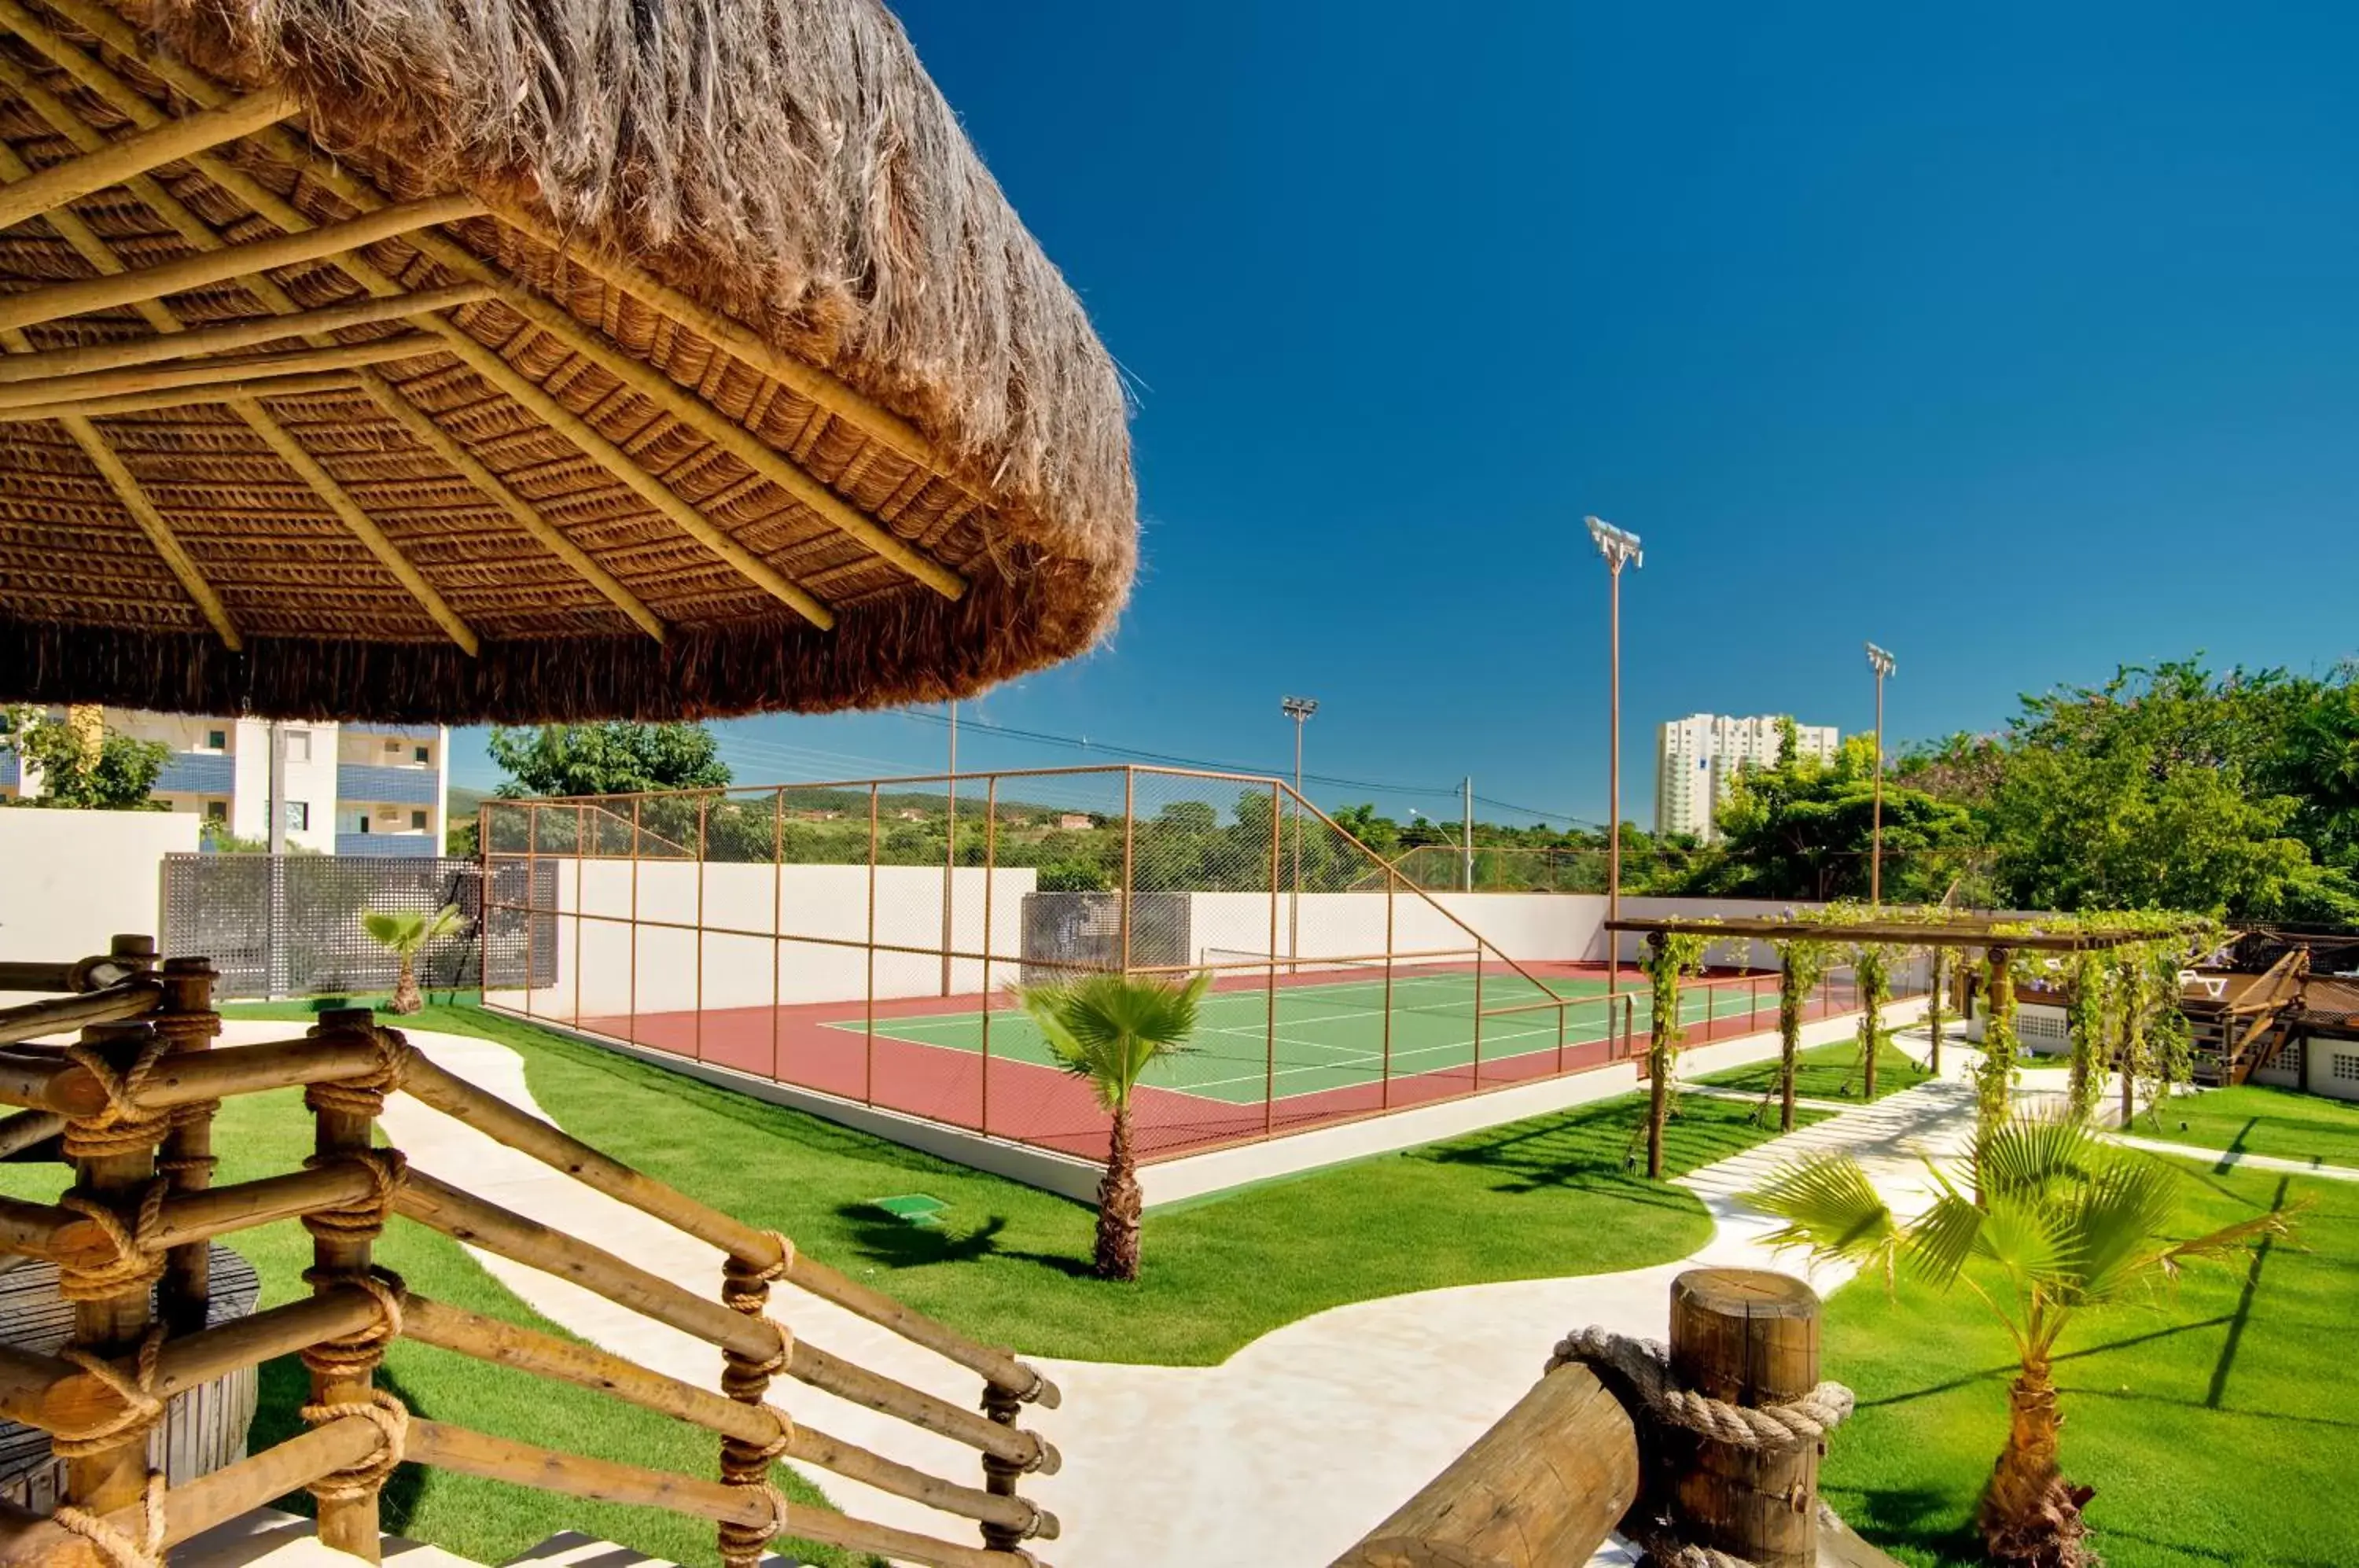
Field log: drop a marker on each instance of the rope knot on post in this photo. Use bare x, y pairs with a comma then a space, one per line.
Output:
357, 1355
141, 1410
138, 1261
364, 1220
145, 1550
365, 1095
1640, 1370
122, 1126
391, 1419
746, 1288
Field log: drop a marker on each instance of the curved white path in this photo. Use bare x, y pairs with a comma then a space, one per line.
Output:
1279, 1457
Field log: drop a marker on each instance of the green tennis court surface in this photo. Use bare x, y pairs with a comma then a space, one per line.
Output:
1332, 1035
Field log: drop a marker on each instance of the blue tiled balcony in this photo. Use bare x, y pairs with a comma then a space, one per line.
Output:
197, 773
369, 783
386, 845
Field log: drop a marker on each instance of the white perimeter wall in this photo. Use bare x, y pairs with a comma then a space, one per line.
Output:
69, 880
596, 957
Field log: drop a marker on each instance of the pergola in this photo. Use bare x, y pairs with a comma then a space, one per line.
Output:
1991, 933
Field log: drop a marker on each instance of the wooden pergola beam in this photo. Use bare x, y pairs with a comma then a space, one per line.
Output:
1997, 932
106, 293
249, 368
232, 335
228, 393
323, 484
115, 162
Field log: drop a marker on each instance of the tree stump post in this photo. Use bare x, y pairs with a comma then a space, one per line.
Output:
187, 1023
1750, 1337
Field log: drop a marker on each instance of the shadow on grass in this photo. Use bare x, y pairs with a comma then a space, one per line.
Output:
882, 1238
1599, 1148
1916, 1518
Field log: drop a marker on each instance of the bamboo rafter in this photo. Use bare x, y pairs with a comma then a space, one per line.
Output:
314, 327
667, 397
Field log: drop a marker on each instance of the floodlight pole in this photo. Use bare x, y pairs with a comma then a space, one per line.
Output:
1881, 662
1620, 548
949, 849
1299, 710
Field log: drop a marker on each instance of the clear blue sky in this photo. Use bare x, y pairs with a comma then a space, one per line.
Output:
2020, 339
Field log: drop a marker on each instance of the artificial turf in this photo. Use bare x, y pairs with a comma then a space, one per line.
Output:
2255, 1118
1007, 1263
2213, 1419
1828, 1072
270, 1134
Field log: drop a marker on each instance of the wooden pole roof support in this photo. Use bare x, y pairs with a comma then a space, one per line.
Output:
116, 162
151, 522
60, 300
231, 394
339, 501
252, 368
60, 362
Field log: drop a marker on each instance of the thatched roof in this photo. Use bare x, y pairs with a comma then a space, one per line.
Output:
655, 359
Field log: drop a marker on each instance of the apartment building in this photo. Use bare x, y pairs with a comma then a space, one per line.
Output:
1698, 758
350, 788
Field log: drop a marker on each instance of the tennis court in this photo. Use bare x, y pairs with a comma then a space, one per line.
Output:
1337, 1026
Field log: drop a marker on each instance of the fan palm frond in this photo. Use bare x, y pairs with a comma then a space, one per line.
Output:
1832, 1208
1110, 1029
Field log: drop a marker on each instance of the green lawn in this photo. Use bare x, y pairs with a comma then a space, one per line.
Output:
267, 1135
2215, 1423
1828, 1072
2254, 1118
1007, 1263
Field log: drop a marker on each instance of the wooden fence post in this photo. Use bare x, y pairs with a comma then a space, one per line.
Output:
1746, 1336
342, 1375
187, 1023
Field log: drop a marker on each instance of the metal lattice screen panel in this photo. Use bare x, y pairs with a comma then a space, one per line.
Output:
290, 924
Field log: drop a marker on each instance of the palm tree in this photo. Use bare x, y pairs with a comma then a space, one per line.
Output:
407, 934
2064, 1222
1110, 1029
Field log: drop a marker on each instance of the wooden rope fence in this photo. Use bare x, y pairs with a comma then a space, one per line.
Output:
130, 1105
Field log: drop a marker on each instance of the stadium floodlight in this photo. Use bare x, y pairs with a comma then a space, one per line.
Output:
1882, 663
1299, 710
1620, 548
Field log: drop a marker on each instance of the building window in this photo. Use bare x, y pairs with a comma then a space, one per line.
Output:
418, 819
2346, 1067
299, 746
216, 810
299, 816
392, 745
423, 754
216, 740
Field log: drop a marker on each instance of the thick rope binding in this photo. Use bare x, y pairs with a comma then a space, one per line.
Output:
145, 1550
1642, 1368
746, 1288
391, 1419
356, 1355
141, 1410
138, 1259
121, 1124
365, 1095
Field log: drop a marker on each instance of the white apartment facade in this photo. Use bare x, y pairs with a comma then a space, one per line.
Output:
1698, 758
350, 788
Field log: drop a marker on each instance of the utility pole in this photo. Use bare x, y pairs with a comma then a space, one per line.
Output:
1299, 710
1881, 662
1470, 833
1620, 548
274, 942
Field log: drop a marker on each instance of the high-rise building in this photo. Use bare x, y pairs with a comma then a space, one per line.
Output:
350, 788
1698, 758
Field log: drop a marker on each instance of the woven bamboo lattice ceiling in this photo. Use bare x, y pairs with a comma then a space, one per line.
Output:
440, 360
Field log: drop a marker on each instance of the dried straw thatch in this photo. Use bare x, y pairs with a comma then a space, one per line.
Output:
739, 385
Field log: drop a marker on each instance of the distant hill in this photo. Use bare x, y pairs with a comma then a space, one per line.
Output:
459, 803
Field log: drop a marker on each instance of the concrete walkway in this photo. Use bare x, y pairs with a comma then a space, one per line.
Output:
1279, 1458
2236, 1159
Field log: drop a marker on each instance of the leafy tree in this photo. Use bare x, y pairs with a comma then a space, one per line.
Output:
1669, 955
118, 775
1382, 834
2061, 1222
406, 934
615, 757
1110, 1029
1806, 829
1802, 963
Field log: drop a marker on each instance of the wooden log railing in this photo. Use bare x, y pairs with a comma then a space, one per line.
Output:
131, 1107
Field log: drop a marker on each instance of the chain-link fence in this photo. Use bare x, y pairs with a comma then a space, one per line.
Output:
289, 925
868, 940
1908, 875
